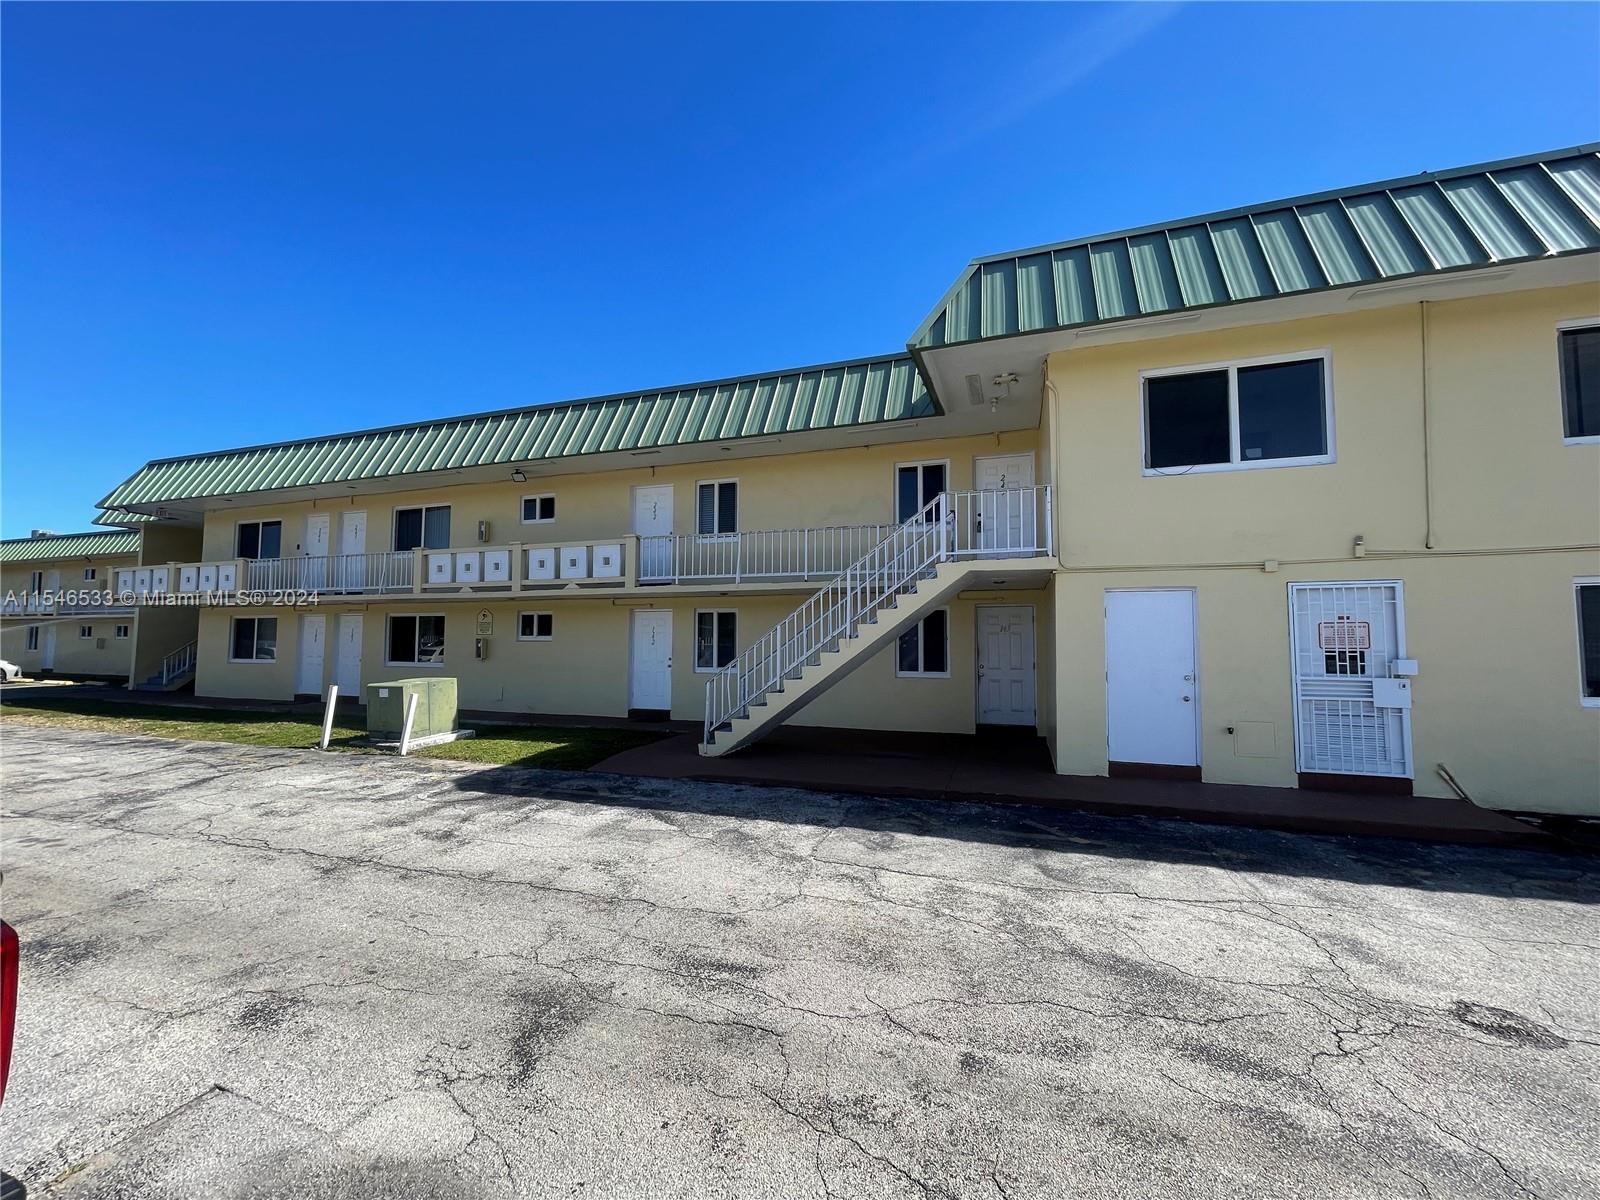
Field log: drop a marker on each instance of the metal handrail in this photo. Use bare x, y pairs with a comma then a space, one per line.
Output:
753, 554
977, 524
178, 664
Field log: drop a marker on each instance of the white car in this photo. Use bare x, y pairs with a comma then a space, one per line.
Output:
9, 672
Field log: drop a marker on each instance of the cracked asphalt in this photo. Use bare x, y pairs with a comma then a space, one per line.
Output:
255, 972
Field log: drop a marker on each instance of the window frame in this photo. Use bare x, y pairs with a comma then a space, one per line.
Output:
89, 575
919, 464
536, 636
422, 547
255, 639
86, 633
1232, 366
1563, 327
121, 633
31, 644
1578, 585
738, 507
921, 641
36, 583
416, 637
259, 523
522, 509
716, 628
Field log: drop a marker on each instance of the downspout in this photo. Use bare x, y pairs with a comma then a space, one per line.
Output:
1427, 438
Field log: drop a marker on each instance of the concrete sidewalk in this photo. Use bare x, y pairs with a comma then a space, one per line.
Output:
1017, 770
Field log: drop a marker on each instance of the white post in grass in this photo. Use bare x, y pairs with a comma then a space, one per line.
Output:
411, 715
327, 717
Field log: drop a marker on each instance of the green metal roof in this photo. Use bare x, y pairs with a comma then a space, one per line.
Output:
859, 392
118, 517
1510, 211
102, 543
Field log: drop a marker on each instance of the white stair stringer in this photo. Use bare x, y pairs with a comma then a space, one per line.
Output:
829, 666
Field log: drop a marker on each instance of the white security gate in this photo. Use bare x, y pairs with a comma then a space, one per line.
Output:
1352, 707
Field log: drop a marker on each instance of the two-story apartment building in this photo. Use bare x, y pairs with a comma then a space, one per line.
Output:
1302, 493
68, 607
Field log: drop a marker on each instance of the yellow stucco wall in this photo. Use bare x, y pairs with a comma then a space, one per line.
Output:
1489, 609
74, 655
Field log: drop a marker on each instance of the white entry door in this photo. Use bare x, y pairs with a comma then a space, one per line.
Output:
48, 661
314, 572
651, 685
652, 521
1006, 687
350, 571
1151, 699
1006, 522
347, 666
1352, 708
313, 633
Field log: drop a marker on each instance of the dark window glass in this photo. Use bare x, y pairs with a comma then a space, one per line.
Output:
935, 648
250, 541
717, 508
266, 638
1186, 419
714, 636
244, 637
727, 507
407, 529
1281, 411
1589, 637
910, 654
436, 527
907, 494
539, 508
430, 639
1344, 662
272, 539
932, 482
1580, 381
255, 638
537, 625
402, 639
727, 636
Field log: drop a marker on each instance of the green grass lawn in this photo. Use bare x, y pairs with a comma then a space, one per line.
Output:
565, 749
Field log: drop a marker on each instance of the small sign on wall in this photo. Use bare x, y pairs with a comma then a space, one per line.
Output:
1344, 634
485, 623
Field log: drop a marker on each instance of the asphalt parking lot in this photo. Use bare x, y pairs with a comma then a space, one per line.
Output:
254, 972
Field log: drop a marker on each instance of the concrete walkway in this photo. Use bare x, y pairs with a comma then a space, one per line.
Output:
1018, 770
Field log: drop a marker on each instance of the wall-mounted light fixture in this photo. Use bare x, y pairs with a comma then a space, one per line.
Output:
518, 475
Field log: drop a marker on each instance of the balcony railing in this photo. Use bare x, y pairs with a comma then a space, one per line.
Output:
755, 554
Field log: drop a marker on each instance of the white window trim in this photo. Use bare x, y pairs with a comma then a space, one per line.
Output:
944, 674
1582, 581
1232, 366
894, 484
550, 637
86, 633
1592, 439
694, 634
389, 662
738, 511
88, 574
122, 633
238, 525
252, 661
394, 527
522, 509
32, 643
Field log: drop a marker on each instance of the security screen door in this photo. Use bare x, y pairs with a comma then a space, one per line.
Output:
1352, 716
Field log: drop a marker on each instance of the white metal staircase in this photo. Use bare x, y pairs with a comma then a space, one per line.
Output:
919, 564
176, 670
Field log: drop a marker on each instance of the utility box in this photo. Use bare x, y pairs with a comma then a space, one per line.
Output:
436, 707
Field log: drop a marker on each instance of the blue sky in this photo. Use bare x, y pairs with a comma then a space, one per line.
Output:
229, 224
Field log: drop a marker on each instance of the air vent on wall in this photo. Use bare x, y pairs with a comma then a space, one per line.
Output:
974, 390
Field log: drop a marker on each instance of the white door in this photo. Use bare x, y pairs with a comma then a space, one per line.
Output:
652, 521
1006, 520
651, 685
313, 632
1352, 713
1151, 699
314, 573
350, 570
1006, 687
48, 662
347, 666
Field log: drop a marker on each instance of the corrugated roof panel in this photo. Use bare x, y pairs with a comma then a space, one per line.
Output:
102, 543
864, 391
1114, 293
1036, 293
1336, 244
1559, 222
1580, 177
1244, 267
1435, 221
1195, 261
1074, 287
999, 308
1438, 227
1386, 236
1155, 280
1289, 255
